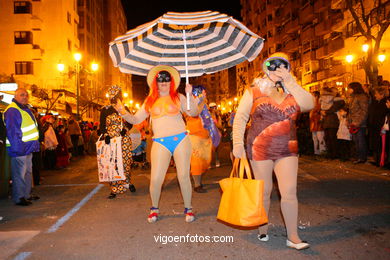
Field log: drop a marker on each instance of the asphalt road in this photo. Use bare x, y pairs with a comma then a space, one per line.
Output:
344, 212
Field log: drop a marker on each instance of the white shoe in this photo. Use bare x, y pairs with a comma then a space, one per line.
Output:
263, 237
297, 246
189, 215
153, 216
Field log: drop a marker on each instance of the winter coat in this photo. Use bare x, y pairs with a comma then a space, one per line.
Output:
358, 110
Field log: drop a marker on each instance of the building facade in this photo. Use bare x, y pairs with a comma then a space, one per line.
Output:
33, 41
38, 43
115, 25
316, 34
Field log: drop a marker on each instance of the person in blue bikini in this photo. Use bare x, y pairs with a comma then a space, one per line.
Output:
165, 107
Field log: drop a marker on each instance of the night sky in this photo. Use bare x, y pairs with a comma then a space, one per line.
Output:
142, 11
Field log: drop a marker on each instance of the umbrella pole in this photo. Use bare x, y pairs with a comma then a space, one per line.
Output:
186, 63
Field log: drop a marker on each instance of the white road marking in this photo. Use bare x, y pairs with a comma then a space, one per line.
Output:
68, 215
22, 255
11, 241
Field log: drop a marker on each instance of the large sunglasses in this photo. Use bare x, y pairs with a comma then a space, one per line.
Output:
163, 76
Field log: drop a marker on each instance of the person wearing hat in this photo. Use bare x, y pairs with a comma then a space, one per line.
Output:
112, 125
273, 103
165, 106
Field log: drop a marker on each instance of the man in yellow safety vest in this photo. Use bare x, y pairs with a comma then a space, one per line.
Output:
21, 142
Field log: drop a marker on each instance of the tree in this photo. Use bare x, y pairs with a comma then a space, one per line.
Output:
372, 21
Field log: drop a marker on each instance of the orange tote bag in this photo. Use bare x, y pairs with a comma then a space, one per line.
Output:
242, 199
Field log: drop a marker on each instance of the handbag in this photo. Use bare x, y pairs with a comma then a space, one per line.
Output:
110, 160
242, 199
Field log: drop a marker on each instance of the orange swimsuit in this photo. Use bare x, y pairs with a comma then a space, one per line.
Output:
164, 106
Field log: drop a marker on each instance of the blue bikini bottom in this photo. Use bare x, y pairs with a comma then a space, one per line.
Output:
171, 142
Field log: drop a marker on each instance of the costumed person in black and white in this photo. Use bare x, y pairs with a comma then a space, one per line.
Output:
112, 125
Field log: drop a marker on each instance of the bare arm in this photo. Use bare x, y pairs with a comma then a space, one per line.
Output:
137, 118
304, 99
241, 118
194, 111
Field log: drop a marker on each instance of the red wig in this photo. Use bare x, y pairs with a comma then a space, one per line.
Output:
153, 94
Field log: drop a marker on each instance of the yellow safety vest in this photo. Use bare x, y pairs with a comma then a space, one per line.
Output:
29, 126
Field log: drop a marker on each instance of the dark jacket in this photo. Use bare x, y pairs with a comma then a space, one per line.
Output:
13, 122
377, 112
358, 110
330, 120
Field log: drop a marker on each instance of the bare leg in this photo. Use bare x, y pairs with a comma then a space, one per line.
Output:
160, 161
286, 170
262, 170
182, 156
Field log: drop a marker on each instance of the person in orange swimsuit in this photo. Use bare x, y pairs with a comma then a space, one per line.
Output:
273, 103
165, 107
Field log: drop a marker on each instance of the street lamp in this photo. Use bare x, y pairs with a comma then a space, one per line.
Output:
61, 67
349, 58
381, 57
365, 47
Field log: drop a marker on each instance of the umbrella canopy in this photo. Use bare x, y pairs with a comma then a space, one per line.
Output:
194, 43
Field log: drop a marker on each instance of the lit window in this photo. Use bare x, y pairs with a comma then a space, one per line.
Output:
22, 7
23, 37
23, 67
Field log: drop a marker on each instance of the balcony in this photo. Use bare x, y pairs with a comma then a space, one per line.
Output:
323, 27
291, 45
306, 14
337, 70
337, 21
292, 26
308, 78
308, 56
322, 52
321, 5
307, 34
36, 23
323, 74
336, 44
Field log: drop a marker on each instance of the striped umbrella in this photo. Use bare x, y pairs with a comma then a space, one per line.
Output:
194, 43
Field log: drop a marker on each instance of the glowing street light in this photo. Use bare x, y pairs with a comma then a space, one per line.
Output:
349, 58
107, 96
381, 57
77, 56
365, 47
94, 66
60, 67
125, 94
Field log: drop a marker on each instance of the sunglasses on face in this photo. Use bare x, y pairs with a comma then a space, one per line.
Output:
163, 76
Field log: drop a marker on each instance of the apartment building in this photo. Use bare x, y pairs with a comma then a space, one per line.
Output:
36, 36
316, 34
115, 25
33, 41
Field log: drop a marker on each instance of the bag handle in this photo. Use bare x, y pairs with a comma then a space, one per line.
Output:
241, 166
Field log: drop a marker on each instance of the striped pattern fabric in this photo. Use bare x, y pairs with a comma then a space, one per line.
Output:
213, 42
